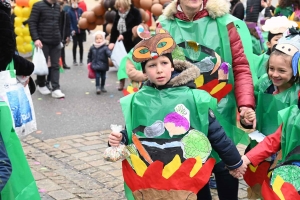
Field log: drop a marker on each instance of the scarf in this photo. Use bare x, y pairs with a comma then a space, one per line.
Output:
121, 23
97, 45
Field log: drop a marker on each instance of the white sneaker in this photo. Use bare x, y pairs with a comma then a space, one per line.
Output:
43, 90
57, 94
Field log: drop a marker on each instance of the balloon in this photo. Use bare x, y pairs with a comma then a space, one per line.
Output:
18, 11
162, 2
19, 40
25, 19
82, 23
155, 2
146, 5
110, 16
108, 28
26, 12
156, 9
99, 10
99, 21
84, 14
18, 21
18, 31
91, 17
136, 3
91, 26
25, 31
20, 48
22, 3
28, 47
109, 4
27, 39
31, 2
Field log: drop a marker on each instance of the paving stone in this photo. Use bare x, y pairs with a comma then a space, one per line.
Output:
88, 143
61, 195
61, 155
92, 134
87, 148
50, 141
119, 188
47, 185
116, 173
81, 154
90, 138
90, 170
79, 140
70, 151
71, 137
37, 175
76, 190
77, 145
91, 158
92, 152
99, 163
82, 166
106, 168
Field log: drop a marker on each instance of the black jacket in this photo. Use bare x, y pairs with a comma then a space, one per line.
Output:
237, 9
64, 25
253, 9
133, 19
99, 58
44, 23
223, 145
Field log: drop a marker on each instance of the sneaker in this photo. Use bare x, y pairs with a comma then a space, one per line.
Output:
75, 63
98, 91
57, 94
43, 90
103, 89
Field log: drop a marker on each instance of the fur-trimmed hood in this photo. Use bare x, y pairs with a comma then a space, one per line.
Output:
215, 8
185, 74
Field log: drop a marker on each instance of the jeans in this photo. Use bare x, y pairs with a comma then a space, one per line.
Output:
54, 52
102, 75
78, 39
227, 185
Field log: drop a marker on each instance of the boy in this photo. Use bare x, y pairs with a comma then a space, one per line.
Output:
158, 132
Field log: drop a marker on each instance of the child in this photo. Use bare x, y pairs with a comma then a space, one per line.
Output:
160, 134
278, 89
275, 27
98, 57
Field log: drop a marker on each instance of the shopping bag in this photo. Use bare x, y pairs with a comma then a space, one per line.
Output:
19, 100
91, 72
118, 53
40, 64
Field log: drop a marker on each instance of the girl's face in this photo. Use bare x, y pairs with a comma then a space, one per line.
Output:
159, 70
99, 38
280, 71
273, 41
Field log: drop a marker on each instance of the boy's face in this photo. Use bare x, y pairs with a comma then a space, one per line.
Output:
159, 70
99, 38
273, 41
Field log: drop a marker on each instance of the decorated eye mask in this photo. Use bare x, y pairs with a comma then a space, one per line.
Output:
153, 47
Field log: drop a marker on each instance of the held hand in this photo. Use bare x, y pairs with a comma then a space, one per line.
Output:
248, 116
111, 46
120, 37
38, 44
246, 160
239, 172
114, 139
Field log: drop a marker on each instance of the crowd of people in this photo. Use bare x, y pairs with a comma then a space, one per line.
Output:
207, 73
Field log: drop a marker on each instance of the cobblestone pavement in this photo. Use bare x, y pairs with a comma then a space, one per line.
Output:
73, 168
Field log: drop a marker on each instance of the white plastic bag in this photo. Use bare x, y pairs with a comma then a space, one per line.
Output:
114, 154
39, 61
118, 53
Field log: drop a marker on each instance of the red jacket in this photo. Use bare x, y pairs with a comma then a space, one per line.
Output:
243, 86
269, 146
82, 5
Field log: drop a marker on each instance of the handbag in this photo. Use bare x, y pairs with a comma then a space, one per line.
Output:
18, 98
91, 72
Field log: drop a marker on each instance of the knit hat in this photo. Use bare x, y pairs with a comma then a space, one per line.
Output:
99, 33
290, 45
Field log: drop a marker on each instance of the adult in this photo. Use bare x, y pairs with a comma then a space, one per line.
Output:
254, 7
126, 18
82, 5
237, 9
44, 26
65, 32
78, 35
210, 37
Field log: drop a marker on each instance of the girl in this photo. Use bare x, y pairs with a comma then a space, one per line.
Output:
98, 57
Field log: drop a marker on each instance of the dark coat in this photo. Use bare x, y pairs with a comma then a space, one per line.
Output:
237, 9
65, 26
133, 19
253, 9
184, 75
74, 19
99, 58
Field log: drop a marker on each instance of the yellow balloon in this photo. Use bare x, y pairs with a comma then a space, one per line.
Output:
25, 31
27, 39
20, 48
18, 21
28, 48
26, 12
18, 11
19, 40
18, 31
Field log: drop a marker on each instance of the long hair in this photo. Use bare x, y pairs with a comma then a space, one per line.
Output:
286, 3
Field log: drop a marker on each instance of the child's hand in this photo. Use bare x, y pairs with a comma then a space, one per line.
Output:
114, 139
246, 160
239, 172
248, 116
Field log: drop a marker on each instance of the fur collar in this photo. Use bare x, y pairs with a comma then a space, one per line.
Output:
215, 8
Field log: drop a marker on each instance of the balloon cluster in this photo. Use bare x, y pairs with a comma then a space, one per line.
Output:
104, 13
22, 12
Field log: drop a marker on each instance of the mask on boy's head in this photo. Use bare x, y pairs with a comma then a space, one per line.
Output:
290, 45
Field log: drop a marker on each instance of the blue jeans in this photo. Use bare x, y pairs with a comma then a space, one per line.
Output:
102, 75
227, 185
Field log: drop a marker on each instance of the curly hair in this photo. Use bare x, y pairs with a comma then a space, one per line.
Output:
287, 3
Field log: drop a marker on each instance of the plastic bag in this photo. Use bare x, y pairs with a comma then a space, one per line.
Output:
40, 64
114, 154
118, 53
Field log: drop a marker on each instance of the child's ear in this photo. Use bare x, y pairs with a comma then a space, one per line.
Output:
172, 69
269, 44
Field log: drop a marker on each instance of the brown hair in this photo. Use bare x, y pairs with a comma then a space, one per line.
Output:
276, 52
123, 3
286, 3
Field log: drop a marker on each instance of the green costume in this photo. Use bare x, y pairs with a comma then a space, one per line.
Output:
21, 184
211, 45
260, 64
288, 11
122, 69
141, 109
256, 46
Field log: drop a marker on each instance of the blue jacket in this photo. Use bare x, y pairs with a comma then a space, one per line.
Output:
99, 58
74, 19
